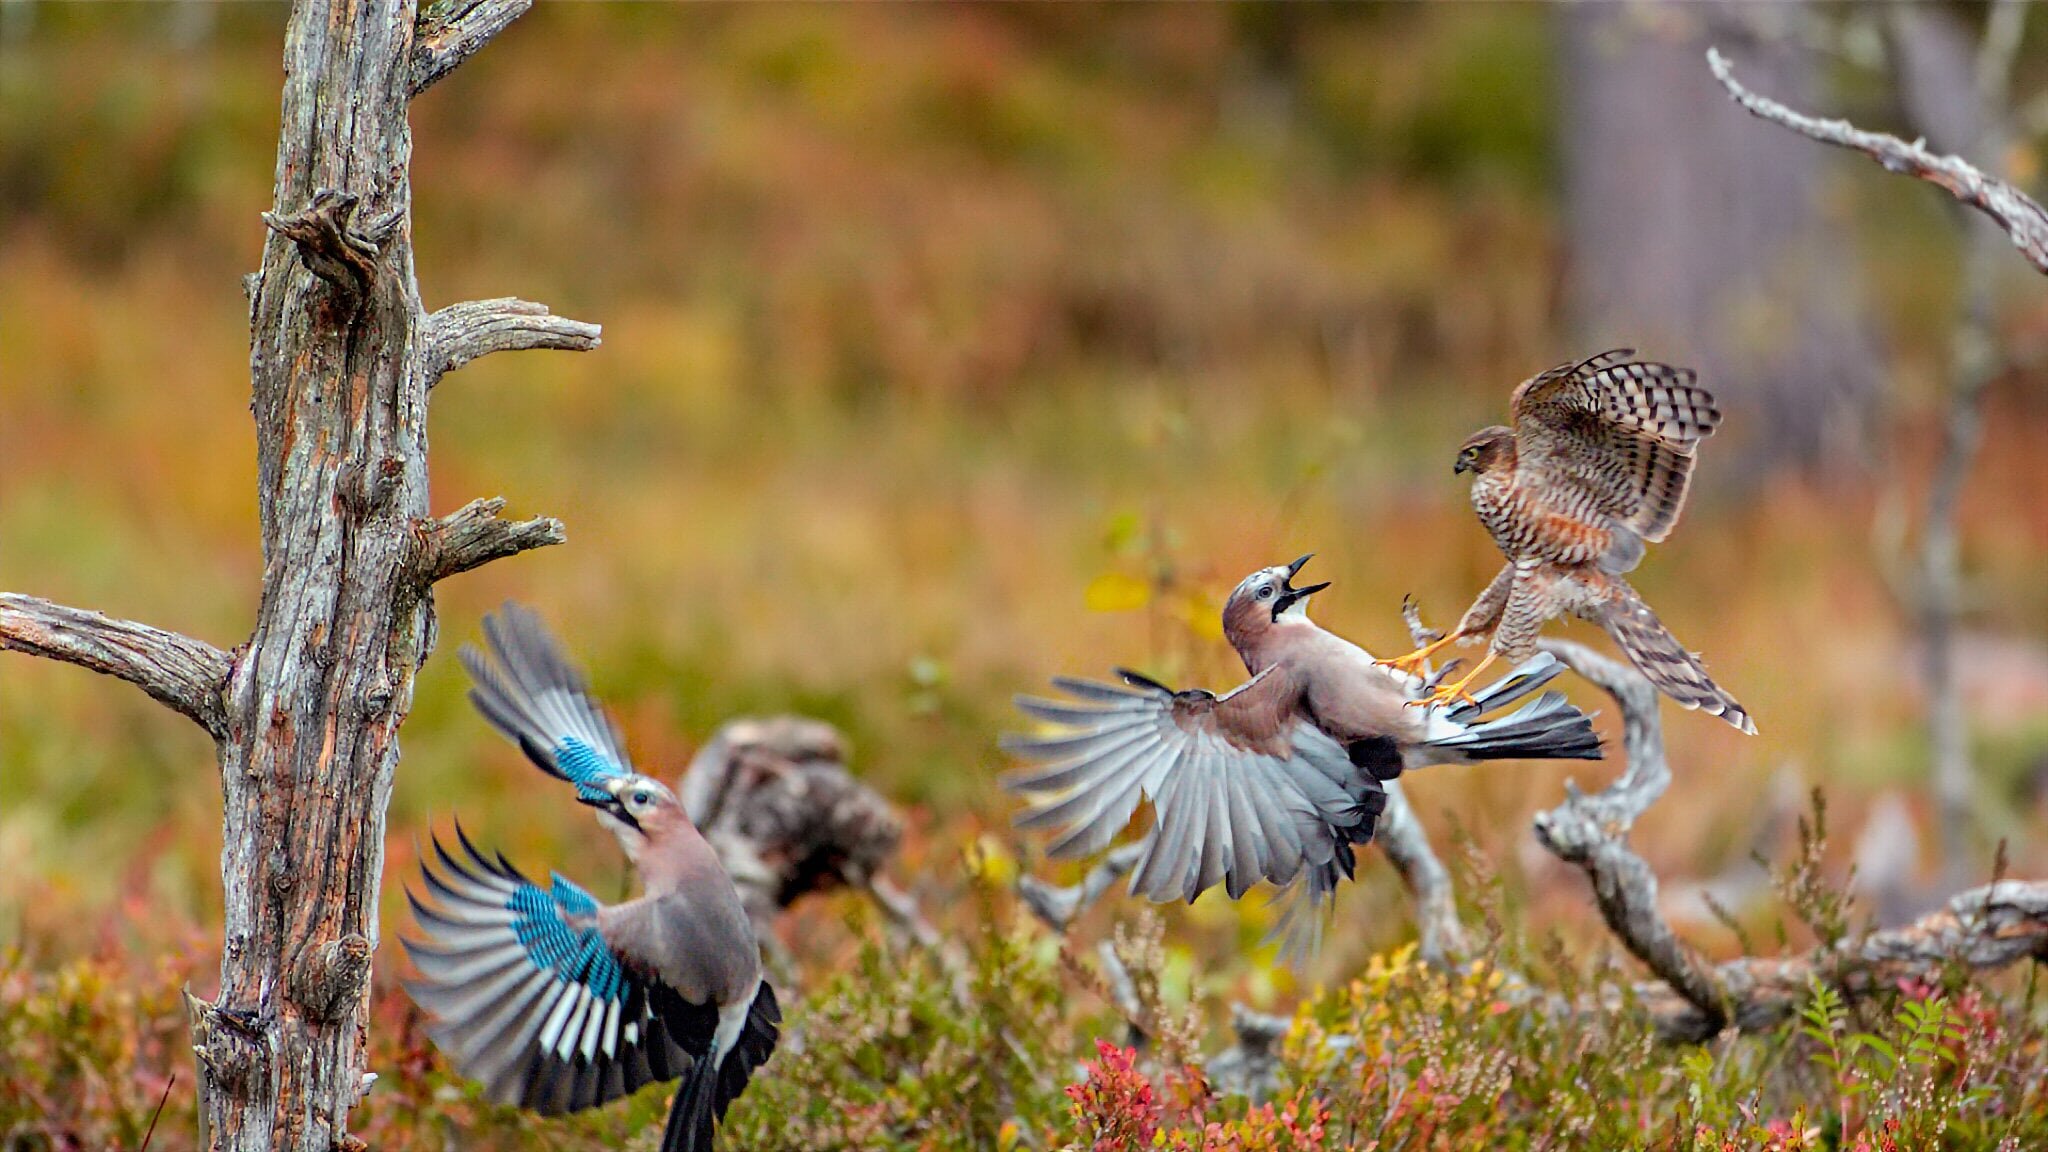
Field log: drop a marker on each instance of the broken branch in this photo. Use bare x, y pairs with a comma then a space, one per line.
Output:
1059, 907
473, 536
184, 674
460, 333
1441, 938
450, 33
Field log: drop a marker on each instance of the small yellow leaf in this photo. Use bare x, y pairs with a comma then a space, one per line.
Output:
989, 860
1116, 592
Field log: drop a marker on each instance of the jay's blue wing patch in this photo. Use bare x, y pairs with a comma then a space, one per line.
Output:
528, 690
528, 998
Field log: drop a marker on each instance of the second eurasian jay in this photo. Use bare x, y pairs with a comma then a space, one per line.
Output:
554, 1001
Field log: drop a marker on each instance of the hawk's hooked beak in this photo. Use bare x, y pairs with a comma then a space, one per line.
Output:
1289, 594
607, 801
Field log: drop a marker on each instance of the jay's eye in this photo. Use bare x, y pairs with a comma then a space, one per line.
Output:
1266, 593
641, 797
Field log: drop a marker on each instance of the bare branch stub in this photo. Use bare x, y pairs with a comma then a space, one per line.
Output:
186, 675
450, 32
460, 333
2022, 217
473, 536
1592, 832
1250, 1067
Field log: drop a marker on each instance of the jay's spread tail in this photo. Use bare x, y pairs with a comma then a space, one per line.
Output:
1546, 728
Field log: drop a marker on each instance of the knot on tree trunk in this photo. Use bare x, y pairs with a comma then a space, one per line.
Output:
229, 1044
775, 799
329, 977
330, 242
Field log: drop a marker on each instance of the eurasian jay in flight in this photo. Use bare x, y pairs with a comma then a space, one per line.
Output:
554, 1001
1276, 779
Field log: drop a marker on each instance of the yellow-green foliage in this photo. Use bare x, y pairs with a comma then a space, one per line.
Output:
1011, 1042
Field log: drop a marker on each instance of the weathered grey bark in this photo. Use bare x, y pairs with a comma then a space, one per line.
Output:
1984, 929
1592, 832
306, 713
1700, 241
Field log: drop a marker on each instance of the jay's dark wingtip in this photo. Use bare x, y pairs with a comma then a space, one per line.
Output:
1140, 680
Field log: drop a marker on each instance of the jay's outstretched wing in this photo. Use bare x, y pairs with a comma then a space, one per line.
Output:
529, 997
541, 701
1244, 787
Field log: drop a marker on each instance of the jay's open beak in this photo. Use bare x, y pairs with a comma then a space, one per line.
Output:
1289, 594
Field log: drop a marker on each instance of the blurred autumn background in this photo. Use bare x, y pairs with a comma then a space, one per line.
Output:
947, 349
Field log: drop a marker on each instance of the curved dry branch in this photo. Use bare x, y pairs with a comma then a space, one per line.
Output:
1440, 935
183, 674
450, 32
1592, 832
2022, 217
460, 333
473, 535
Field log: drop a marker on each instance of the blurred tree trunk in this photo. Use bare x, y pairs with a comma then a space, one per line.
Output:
305, 713
1703, 238
1955, 96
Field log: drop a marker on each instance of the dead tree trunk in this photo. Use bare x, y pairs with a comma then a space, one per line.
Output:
305, 713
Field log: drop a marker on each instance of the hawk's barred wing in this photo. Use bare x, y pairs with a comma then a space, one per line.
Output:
1243, 786
537, 698
529, 998
1620, 433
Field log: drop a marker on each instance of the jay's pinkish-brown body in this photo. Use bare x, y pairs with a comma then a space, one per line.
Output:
1277, 779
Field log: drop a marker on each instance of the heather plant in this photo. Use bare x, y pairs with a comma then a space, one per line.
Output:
1012, 1038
